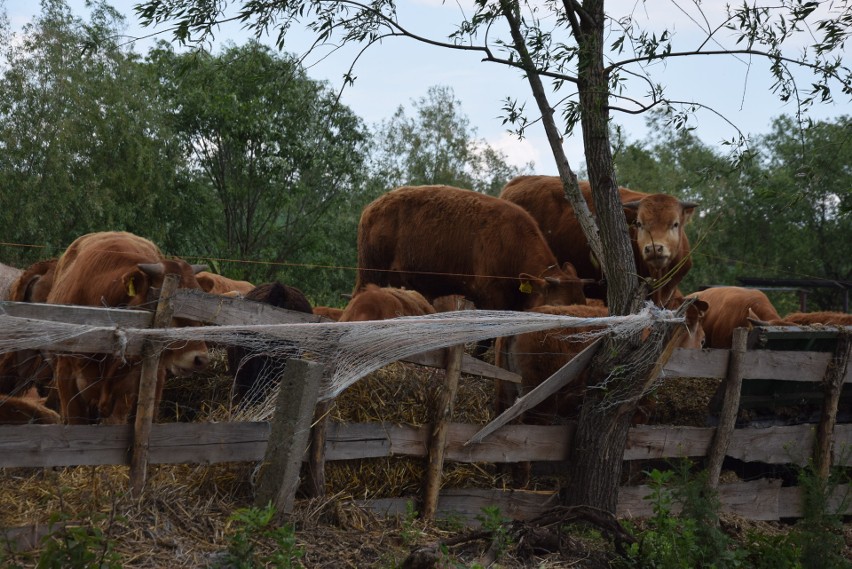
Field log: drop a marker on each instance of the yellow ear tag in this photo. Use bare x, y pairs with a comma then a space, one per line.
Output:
131, 289
526, 287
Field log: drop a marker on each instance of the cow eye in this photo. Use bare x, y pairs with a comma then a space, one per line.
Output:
676, 225
638, 224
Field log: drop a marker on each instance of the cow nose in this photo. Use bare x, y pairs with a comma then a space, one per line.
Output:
200, 362
654, 249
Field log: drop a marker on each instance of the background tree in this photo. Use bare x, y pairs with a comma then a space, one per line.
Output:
85, 145
566, 43
273, 148
438, 146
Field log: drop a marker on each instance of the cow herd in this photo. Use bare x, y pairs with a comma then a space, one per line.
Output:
417, 247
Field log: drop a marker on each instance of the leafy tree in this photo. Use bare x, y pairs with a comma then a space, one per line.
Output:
83, 138
438, 146
275, 150
566, 43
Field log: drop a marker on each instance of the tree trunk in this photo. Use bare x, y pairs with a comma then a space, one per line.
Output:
595, 463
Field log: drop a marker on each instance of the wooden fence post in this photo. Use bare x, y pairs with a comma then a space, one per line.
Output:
442, 413
730, 407
316, 454
146, 402
832, 382
288, 439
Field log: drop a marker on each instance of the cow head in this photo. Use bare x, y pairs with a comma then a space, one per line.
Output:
694, 338
659, 222
556, 285
139, 281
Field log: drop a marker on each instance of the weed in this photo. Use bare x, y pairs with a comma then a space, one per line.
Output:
73, 546
492, 520
253, 527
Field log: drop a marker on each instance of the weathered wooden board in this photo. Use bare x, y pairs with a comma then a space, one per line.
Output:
87, 315
756, 500
225, 311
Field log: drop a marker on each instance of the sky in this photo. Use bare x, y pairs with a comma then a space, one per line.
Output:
400, 71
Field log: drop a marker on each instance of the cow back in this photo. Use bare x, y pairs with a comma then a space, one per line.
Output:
218, 284
382, 303
728, 308
828, 318
441, 240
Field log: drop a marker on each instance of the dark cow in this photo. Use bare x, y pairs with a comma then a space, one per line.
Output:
23, 369
217, 284
536, 356
382, 303
254, 373
440, 240
115, 269
656, 221
730, 307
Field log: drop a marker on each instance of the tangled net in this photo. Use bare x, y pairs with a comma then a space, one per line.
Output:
348, 351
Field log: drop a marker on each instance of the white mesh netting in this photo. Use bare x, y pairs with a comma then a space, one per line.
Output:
348, 351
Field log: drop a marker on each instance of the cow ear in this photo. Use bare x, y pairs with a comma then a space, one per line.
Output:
529, 283
702, 306
136, 284
688, 209
634, 205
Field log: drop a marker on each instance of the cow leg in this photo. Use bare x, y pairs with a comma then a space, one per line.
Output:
72, 407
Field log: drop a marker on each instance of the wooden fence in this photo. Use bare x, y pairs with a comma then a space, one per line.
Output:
170, 443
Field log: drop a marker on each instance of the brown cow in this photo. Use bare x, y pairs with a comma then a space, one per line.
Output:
115, 269
329, 312
217, 284
254, 373
657, 223
536, 356
382, 303
26, 410
440, 240
23, 369
730, 308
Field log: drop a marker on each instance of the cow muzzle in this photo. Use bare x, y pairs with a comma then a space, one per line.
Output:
186, 360
656, 255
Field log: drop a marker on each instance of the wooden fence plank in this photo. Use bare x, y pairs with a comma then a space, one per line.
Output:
88, 315
225, 311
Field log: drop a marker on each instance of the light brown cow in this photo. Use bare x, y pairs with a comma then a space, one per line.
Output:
536, 356
826, 318
440, 240
330, 312
26, 410
730, 308
382, 303
115, 269
218, 284
657, 222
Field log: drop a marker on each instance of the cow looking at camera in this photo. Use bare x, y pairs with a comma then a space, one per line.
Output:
657, 221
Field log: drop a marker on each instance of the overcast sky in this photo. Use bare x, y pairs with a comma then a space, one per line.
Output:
401, 70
